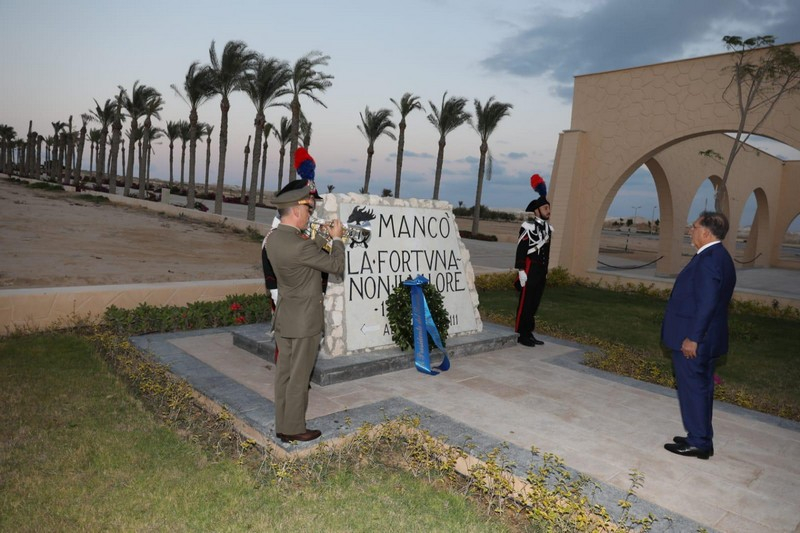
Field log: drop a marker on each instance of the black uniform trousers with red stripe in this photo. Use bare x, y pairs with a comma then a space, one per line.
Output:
529, 299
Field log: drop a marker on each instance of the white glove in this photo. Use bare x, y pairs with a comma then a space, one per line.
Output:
274, 294
523, 278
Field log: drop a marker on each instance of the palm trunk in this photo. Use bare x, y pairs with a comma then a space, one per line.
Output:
79, 161
280, 166
439, 161
368, 171
263, 172
171, 160
208, 163
192, 157
38, 172
223, 148
251, 201
294, 136
243, 196
183, 162
401, 142
116, 133
476, 212
131, 152
68, 155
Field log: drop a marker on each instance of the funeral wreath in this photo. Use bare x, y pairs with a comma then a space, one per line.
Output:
398, 313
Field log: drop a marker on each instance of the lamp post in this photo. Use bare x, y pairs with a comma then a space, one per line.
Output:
635, 209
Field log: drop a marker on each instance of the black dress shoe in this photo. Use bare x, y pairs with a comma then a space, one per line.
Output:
525, 341
536, 341
687, 450
682, 440
308, 435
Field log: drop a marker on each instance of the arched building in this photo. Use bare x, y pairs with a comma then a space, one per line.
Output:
663, 116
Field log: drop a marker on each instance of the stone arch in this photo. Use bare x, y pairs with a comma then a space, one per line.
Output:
667, 113
755, 252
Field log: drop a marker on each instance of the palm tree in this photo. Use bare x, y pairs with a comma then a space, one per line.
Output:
488, 117
152, 106
269, 129
284, 136
173, 133
184, 127
408, 103
306, 80
155, 134
451, 116
228, 72
105, 116
7, 135
373, 125
263, 85
55, 161
85, 117
116, 138
135, 104
244, 171
94, 141
198, 87
69, 147
208, 129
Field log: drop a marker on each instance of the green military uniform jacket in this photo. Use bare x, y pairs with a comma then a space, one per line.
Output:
298, 261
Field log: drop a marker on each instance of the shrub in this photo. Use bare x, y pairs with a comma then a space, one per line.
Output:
233, 310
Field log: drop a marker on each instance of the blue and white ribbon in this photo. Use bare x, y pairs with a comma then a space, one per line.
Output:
423, 326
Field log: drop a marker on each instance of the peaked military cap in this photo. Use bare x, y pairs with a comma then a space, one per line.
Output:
295, 193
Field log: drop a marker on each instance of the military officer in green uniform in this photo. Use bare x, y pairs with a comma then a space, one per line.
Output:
299, 317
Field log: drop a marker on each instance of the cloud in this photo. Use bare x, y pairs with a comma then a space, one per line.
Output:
419, 155
515, 155
627, 33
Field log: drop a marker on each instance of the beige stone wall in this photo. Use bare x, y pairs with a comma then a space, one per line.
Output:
659, 115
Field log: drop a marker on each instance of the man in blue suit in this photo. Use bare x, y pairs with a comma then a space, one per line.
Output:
695, 329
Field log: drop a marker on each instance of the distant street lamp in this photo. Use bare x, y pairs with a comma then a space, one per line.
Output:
635, 209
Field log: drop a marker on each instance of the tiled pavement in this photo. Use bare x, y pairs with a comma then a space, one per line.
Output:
600, 424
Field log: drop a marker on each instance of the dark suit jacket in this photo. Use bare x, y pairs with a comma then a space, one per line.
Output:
297, 262
698, 306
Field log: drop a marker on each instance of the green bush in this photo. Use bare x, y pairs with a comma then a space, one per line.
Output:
233, 310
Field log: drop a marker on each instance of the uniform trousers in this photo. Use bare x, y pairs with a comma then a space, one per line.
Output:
529, 300
292, 377
695, 380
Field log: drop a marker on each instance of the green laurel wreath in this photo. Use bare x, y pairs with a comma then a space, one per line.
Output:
398, 313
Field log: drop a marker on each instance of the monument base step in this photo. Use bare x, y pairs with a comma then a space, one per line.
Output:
256, 339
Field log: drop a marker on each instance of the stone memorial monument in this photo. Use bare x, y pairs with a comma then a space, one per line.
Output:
406, 238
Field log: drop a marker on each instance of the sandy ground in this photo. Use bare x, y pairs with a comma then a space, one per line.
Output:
53, 239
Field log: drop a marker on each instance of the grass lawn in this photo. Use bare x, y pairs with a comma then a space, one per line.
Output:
79, 452
762, 361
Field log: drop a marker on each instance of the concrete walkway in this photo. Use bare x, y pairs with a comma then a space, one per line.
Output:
600, 424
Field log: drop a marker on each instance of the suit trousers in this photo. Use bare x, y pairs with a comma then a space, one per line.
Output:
292, 377
695, 379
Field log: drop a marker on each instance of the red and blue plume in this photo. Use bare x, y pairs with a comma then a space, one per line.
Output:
538, 185
304, 164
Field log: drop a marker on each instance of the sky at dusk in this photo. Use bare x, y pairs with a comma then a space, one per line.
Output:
60, 56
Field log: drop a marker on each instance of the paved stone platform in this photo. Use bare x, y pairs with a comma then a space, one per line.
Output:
602, 425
